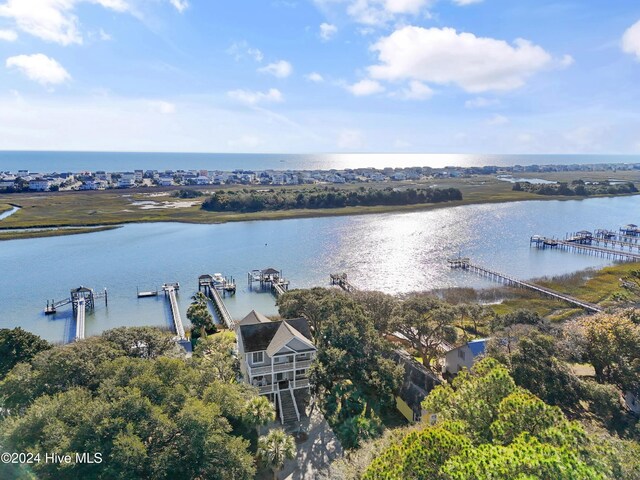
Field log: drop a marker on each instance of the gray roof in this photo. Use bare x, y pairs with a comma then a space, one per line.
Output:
417, 381
254, 317
256, 337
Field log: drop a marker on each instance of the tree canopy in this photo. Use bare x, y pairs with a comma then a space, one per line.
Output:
129, 395
489, 428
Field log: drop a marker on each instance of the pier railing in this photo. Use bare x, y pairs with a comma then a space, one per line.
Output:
80, 318
584, 247
221, 308
170, 291
465, 264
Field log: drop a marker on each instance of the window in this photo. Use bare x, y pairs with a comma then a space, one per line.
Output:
258, 357
300, 373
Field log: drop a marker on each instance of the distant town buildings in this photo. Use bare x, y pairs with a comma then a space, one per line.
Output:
25, 180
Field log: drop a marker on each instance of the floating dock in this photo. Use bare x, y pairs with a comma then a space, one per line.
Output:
170, 290
465, 264
147, 294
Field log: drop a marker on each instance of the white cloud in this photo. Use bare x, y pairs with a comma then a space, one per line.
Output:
250, 97
245, 141
162, 106
481, 102
416, 91
104, 36
566, 61
350, 139
444, 56
8, 35
39, 68
314, 77
279, 69
463, 3
180, 5
239, 49
56, 20
365, 87
377, 12
498, 120
327, 31
631, 40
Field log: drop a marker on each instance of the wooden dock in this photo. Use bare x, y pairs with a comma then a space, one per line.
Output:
465, 264
221, 308
80, 319
75, 295
340, 279
270, 278
584, 247
170, 290
610, 234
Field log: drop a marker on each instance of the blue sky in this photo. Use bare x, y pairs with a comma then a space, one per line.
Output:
434, 76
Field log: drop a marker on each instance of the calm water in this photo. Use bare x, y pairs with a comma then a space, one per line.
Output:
121, 161
389, 252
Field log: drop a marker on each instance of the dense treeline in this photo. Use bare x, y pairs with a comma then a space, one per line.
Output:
329, 197
576, 188
132, 396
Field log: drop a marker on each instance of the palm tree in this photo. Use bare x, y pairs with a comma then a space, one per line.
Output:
259, 411
274, 448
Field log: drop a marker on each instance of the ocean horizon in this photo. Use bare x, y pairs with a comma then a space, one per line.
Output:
50, 161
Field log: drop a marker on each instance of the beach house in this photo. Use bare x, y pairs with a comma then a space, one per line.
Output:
275, 358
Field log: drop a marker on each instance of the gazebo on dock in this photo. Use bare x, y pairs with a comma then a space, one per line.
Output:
630, 230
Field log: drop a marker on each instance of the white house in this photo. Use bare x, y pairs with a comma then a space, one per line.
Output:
464, 356
138, 175
275, 357
39, 185
165, 182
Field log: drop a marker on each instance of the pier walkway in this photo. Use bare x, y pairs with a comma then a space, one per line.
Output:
170, 292
546, 242
80, 317
220, 307
465, 264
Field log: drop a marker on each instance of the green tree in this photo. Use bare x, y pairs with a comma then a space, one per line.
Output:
17, 346
488, 428
258, 412
275, 448
425, 322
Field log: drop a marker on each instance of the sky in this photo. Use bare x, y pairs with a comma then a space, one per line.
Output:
312, 76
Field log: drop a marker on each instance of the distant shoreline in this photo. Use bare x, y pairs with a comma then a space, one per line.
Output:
104, 210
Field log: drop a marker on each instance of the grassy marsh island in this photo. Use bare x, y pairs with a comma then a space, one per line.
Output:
164, 204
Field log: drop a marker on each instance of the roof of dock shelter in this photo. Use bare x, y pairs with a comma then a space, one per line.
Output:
258, 336
269, 271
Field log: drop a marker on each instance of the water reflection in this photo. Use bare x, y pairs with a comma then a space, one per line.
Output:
389, 252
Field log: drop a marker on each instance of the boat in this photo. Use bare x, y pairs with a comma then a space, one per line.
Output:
218, 280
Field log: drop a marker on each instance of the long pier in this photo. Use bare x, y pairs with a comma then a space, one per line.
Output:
170, 292
583, 247
340, 279
220, 307
80, 317
465, 264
